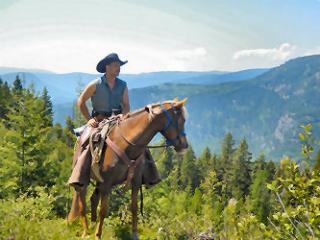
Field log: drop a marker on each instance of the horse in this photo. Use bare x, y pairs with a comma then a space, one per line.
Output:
128, 140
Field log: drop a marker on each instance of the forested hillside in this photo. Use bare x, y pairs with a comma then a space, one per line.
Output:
222, 194
267, 110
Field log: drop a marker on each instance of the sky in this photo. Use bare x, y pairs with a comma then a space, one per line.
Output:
182, 35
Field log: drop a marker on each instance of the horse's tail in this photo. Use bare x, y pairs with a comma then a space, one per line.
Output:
75, 207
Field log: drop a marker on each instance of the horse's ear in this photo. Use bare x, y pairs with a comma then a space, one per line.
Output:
181, 103
176, 99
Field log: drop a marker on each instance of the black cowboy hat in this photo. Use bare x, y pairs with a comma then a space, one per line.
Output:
112, 57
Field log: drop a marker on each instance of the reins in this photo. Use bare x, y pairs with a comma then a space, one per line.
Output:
136, 145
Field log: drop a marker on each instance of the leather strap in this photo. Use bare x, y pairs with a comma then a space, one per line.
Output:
132, 164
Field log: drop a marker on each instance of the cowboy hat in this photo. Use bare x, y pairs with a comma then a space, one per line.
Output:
112, 57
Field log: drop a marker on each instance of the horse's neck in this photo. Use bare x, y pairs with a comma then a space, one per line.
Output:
144, 129
139, 130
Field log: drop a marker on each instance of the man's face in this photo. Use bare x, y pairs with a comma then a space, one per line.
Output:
113, 68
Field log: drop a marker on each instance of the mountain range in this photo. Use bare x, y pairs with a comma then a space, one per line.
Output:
265, 106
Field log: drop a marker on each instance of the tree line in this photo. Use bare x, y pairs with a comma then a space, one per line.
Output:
217, 195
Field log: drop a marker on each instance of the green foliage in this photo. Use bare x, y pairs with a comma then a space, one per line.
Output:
17, 86
298, 210
189, 172
31, 217
221, 195
47, 115
260, 196
240, 171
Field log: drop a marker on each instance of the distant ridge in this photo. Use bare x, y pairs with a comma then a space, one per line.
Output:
267, 110
266, 106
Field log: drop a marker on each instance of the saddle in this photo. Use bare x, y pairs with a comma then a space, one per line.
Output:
97, 139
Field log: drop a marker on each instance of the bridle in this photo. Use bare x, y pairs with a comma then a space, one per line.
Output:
169, 142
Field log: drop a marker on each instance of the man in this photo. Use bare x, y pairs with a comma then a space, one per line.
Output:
109, 96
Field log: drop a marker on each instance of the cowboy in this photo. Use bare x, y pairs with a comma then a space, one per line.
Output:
109, 96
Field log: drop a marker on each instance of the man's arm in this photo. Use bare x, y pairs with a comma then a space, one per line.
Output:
126, 104
85, 95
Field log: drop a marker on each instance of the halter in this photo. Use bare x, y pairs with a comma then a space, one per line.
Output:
170, 142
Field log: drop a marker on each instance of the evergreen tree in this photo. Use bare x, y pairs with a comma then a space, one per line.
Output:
260, 163
204, 163
189, 171
30, 141
224, 173
69, 137
17, 86
165, 162
5, 99
241, 173
260, 196
47, 108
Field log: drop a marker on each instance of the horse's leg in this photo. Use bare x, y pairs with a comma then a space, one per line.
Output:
74, 212
82, 210
94, 204
103, 212
134, 210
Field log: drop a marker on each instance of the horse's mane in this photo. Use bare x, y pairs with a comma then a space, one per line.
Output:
141, 110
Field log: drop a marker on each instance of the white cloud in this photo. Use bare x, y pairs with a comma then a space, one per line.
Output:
283, 52
186, 59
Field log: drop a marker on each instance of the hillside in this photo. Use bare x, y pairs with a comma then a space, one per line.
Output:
266, 110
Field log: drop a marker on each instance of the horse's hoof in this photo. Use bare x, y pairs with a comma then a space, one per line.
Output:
135, 236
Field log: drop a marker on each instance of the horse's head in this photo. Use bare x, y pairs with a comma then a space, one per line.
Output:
171, 123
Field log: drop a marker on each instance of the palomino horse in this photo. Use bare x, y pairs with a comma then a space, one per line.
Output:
130, 137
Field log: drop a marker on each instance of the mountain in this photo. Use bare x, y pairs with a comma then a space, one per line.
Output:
64, 88
266, 106
267, 110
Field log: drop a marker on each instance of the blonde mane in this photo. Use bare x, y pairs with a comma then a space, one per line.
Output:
141, 110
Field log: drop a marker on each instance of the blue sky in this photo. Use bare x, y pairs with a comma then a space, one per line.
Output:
73, 35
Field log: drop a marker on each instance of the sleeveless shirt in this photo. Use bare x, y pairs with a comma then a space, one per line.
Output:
106, 99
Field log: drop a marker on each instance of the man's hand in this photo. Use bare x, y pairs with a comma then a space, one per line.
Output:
93, 123
122, 116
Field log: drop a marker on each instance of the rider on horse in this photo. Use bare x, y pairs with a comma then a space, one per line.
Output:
109, 97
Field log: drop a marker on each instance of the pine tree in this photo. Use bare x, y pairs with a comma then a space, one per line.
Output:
224, 173
189, 171
165, 161
204, 163
47, 108
241, 173
17, 86
30, 141
68, 135
260, 195
5, 99
260, 163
